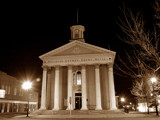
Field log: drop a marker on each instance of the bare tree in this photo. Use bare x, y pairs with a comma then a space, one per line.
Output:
144, 57
157, 13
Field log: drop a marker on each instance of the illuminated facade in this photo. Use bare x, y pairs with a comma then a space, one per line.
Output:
78, 75
142, 105
15, 99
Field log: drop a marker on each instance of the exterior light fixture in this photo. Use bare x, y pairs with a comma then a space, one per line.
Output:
26, 86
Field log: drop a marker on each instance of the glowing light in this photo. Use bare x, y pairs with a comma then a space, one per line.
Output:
38, 79
130, 103
27, 85
158, 101
151, 109
2, 93
127, 106
122, 99
142, 107
153, 79
151, 94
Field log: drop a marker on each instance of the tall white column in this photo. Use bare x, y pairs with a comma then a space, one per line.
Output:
43, 92
8, 107
98, 90
48, 95
56, 90
70, 83
3, 107
111, 87
84, 95
17, 108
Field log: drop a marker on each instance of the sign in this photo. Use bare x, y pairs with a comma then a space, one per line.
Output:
2, 93
76, 60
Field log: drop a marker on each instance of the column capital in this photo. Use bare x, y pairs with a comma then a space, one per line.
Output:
69, 67
97, 65
110, 65
49, 70
57, 67
83, 66
44, 68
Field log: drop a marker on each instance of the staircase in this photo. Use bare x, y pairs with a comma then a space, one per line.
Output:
76, 112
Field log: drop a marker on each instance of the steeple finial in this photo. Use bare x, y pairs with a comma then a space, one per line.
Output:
77, 15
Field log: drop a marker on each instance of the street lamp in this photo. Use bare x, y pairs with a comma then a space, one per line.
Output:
154, 80
122, 101
26, 86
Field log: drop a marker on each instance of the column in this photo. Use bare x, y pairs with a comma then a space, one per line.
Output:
98, 90
3, 106
111, 87
84, 95
70, 83
48, 96
17, 108
56, 91
8, 107
43, 92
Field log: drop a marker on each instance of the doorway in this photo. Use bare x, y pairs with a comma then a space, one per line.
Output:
78, 101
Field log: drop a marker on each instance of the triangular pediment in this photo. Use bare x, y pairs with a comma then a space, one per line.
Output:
76, 48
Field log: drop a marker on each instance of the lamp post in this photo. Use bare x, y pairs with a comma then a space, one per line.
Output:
26, 86
154, 80
122, 101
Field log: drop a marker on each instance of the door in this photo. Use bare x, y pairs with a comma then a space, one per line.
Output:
78, 101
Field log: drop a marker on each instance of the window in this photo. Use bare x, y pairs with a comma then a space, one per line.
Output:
9, 89
78, 78
76, 36
6, 88
3, 87
15, 91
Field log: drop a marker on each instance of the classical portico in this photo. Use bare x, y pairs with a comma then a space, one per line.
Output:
78, 75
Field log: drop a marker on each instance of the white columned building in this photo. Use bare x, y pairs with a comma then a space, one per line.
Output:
78, 75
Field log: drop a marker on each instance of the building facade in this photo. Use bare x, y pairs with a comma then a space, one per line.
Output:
143, 105
15, 98
78, 75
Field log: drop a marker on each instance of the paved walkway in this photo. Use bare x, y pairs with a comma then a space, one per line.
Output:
118, 115
97, 116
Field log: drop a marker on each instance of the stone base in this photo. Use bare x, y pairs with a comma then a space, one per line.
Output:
74, 112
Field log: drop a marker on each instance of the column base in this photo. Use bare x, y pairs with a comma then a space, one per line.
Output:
42, 108
84, 108
55, 109
69, 109
113, 108
98, 109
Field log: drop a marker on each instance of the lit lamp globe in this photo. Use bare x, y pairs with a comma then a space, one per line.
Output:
27, 85
153, 80
122, 99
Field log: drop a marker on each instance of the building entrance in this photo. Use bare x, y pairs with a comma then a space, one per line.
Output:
78, 101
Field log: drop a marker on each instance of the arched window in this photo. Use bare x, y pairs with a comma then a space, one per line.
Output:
79, 78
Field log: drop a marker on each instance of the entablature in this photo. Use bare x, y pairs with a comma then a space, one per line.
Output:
79, 60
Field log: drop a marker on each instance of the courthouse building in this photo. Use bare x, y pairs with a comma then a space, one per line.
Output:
78, 75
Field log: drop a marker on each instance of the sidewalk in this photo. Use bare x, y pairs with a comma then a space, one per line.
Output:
83, 115
121, 115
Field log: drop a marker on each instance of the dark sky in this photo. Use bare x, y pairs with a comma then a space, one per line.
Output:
29, 31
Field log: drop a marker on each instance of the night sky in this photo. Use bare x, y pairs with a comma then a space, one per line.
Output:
28, 31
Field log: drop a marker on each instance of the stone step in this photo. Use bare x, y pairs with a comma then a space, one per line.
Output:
75, 112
